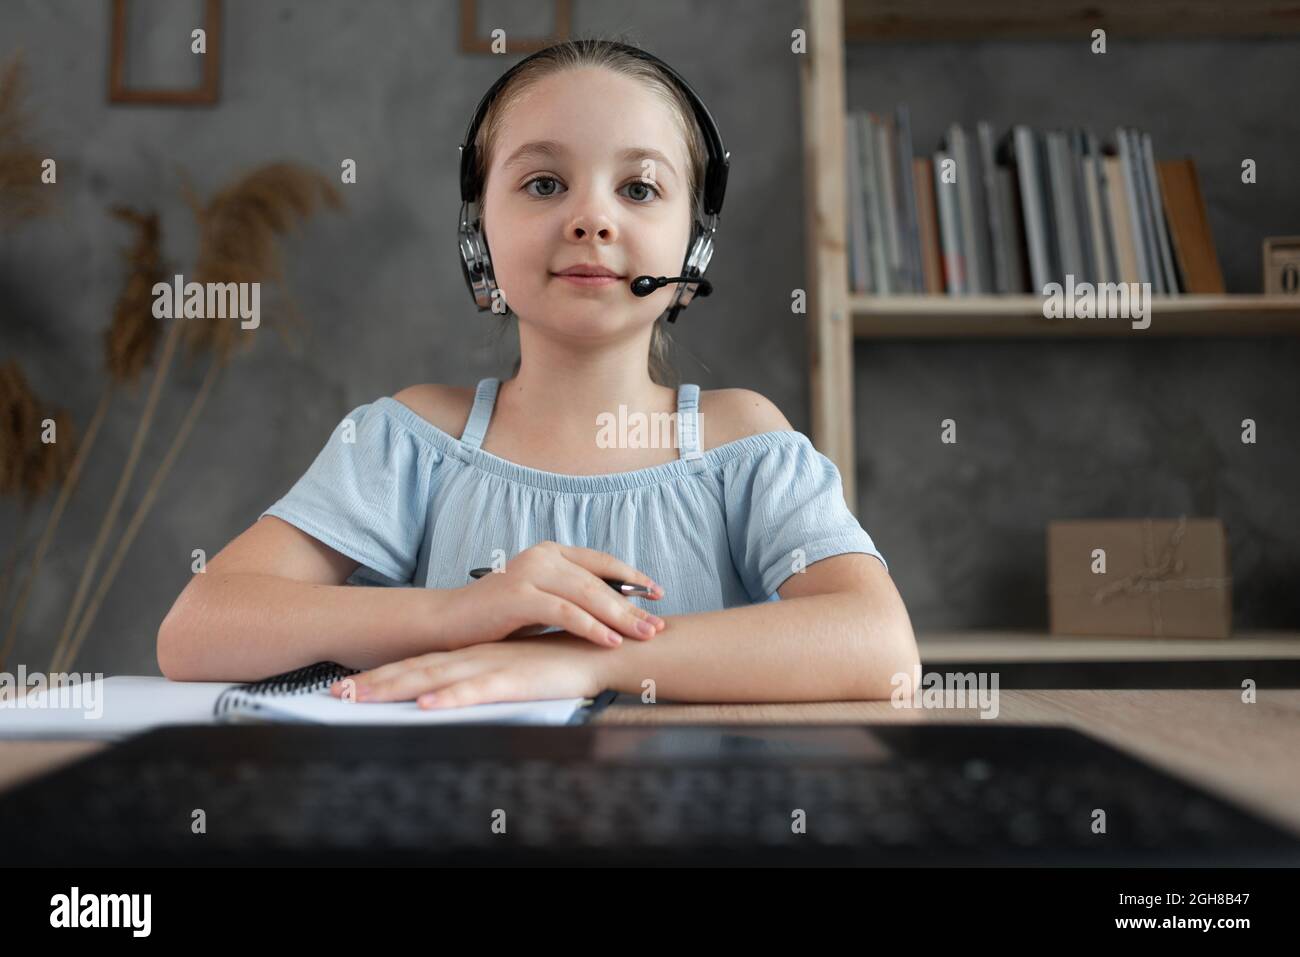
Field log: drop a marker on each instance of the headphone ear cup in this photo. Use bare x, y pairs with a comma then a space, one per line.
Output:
476, 261
698, 255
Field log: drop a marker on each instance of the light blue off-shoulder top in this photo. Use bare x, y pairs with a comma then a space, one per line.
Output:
416, 506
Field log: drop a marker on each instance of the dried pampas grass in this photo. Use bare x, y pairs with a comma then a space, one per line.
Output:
239, 230
29, 467
129, 344
22, 194
132, 337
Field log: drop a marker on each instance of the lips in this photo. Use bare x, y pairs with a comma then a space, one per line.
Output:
590, 270
589, 275
591, 281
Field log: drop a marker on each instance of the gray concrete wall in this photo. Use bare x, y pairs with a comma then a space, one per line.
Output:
1047, 429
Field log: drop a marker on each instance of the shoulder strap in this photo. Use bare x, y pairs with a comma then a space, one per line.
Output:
484, 399
688, 425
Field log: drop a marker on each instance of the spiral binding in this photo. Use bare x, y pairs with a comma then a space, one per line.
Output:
309, 678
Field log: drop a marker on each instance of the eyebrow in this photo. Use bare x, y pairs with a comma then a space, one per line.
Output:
554, 149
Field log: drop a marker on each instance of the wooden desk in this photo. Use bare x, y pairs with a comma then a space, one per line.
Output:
1245, 753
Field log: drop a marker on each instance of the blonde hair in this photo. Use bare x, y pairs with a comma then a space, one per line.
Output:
598, 52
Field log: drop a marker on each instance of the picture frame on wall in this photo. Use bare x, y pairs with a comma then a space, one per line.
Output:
205, 93
471, 42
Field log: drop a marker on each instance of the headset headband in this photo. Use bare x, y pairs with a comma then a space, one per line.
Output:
715, 176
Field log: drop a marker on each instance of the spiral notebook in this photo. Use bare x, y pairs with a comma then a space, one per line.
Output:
122, 705
304, 695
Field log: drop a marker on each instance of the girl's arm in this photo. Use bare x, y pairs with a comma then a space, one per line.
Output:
274, 600
245, 627
839, 633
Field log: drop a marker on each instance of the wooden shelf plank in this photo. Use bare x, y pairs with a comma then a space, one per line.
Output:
958, 317
1022, 646
830, 334
890, 20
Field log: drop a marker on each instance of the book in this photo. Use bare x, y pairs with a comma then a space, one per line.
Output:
872, 182
907, 202
1051, 225
1150, 239
970, 209
1020, 152
1134, 201
1020, 211
859, 267
1063, 204
1000, 278
928, 225
1121, 221
1013, 231
887, 155
1099, 201
1189, 227
115, 707
1172, 280
954, 265
1076, 140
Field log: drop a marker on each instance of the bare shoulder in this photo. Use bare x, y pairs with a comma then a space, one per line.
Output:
730, 414
444, 406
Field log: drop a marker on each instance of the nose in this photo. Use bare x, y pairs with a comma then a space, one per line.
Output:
591, 222
586, 226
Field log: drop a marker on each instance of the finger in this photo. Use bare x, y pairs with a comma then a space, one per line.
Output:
482, 689
613, 608
382, 672
420, 680
605, 565
345, 688
555, 610
349, 687
527, 631
590, 593
368, 680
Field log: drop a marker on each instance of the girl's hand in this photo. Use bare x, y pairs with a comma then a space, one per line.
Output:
525, 669
551, 585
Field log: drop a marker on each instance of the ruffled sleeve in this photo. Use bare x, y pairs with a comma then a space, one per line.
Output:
785, 503
367, 493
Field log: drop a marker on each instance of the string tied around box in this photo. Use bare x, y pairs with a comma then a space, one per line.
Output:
1154, 578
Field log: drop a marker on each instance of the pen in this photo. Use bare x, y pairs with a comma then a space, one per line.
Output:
625, 588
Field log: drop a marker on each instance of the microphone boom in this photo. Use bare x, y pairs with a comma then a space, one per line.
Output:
645, 285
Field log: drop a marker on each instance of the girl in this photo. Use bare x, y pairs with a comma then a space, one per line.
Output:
589, 160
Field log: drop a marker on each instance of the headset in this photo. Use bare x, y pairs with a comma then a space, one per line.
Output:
476, 261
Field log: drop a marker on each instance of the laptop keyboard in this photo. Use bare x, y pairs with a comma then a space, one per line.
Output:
892, 810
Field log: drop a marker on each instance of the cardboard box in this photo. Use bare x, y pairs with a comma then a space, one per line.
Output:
1143, 577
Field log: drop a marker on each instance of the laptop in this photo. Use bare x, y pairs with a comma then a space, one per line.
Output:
855, 794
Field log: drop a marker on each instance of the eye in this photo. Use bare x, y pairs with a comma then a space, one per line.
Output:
644, 185
541, 179
545, 193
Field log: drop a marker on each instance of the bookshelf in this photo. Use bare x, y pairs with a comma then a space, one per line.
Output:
1021, 317
873, 20
837, 318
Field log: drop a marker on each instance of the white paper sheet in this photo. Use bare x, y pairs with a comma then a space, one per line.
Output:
126, 704
323, 707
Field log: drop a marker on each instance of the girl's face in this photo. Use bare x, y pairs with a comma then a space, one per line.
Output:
587, 195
